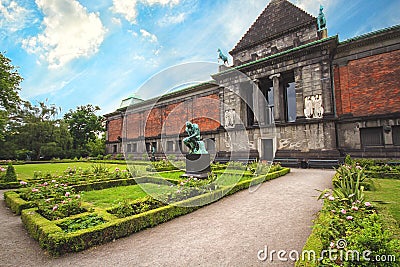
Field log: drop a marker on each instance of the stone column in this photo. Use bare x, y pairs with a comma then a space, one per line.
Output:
278, 103
256, 98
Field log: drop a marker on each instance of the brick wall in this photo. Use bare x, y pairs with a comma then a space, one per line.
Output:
368, 86
114, 129
170, 119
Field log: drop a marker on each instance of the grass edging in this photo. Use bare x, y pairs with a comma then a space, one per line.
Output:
57, 242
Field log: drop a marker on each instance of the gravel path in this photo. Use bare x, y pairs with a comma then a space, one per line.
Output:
230, 232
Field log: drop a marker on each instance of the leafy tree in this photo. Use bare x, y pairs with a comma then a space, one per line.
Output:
41, 133
9, 86
84, 125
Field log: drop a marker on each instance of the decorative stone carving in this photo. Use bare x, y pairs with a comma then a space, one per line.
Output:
313, 107
230, 118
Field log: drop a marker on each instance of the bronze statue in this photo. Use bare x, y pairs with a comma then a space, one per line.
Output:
321, 21
193, 140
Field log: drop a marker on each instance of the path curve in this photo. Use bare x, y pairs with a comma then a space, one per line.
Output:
228, 233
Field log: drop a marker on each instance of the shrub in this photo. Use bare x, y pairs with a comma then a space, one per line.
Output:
10, 175
84, 222
136, 207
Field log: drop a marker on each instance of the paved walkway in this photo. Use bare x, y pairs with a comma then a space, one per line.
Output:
227, 233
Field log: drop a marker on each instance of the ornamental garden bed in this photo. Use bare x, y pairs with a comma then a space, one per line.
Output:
65, 220
354, 221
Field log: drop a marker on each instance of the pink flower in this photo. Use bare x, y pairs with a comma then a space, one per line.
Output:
117, 169
78, 196
333, 211
53, 181
35, 190
67, 194
63, 202
182, 183
23, 183
349, 218
55, 207
367, 204
2, 169
56, 185
343, 211
331, 198
354, 208
332, 245
45, 184
48, 200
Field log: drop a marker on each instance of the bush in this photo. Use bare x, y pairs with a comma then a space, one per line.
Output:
10, 175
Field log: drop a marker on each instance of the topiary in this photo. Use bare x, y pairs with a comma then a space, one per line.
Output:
10, 174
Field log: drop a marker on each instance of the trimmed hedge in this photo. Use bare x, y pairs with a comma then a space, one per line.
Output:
10, 185
383, 175
57, 242
16, 203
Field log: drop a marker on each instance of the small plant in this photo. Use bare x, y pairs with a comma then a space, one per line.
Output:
72, 225
99, 168
10, 175
138, 206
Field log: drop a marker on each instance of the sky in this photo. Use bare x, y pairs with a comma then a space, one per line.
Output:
78, 52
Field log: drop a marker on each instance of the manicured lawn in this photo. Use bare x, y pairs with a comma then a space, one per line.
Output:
26, 171
112, 196
387, 196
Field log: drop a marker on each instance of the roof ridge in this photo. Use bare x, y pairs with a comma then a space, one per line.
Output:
266, 25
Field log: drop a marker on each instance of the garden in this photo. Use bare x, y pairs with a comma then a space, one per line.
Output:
359, 224
68, 207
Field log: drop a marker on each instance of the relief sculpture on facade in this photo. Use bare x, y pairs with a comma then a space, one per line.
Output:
313, 107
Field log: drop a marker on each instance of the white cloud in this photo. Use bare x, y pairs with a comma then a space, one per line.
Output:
13, 17
173, 19
70, 32
312, 6
151, 37
127, 8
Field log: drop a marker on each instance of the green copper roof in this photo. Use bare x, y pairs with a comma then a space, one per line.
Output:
279, 54
370, 34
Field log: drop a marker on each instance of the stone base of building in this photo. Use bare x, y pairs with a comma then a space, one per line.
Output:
197, 166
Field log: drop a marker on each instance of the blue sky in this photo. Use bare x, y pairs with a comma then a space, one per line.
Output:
76, 52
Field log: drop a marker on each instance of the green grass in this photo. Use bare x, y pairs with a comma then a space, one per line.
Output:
112, 196
26, 171
386, 197
109, 197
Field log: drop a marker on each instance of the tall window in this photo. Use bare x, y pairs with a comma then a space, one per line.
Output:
290, 98
128, 148
170, 146
371, 137
396, 135
134, 147
115, 148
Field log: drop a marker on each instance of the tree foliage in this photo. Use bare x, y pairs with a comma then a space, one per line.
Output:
84, 125
9, 87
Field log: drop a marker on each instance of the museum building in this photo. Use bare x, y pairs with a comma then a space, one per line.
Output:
317, 99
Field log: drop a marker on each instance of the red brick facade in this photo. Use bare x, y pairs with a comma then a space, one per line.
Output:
368, 86
114, 129
169, 119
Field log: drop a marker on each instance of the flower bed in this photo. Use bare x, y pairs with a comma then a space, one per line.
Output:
57, 241
348, 224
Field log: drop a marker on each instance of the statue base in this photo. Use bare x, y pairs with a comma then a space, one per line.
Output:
197, 166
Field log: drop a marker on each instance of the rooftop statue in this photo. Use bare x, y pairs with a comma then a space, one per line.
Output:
193, 140
222, 57
321, 21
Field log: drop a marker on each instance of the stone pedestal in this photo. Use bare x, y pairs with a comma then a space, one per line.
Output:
197, 166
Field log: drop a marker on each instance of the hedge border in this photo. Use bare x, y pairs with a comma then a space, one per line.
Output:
17, 204
383, 175
57, 242
10, 185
